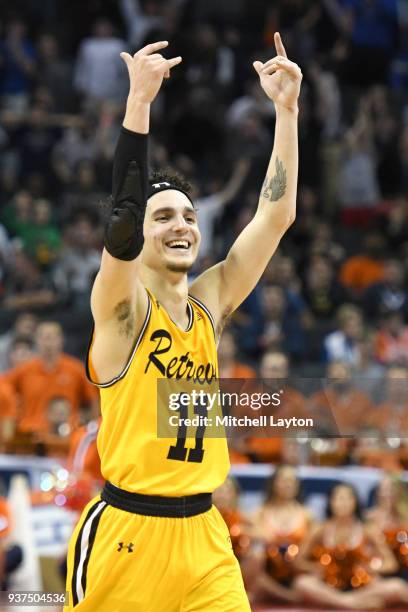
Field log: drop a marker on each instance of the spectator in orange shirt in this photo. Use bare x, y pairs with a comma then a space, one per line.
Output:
51, 374
228, 364
83, 461
340, 408
275, 365
387, 420
58, 415
55, 442
84, 466
230, 367
391, 342
8, 410
83, 453
364, 269
391, 417
10, 556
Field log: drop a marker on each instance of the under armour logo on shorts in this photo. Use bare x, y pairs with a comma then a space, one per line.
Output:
128, 546
158, 185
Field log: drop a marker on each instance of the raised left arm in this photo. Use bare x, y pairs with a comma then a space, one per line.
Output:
225, 286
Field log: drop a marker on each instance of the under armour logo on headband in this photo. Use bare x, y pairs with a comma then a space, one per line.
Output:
158, 185
154, 188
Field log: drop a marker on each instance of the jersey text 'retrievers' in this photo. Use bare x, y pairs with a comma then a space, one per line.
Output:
133, 457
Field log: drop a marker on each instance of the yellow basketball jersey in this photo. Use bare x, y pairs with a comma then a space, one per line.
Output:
133, 457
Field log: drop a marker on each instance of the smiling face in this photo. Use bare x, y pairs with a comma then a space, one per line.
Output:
171, 233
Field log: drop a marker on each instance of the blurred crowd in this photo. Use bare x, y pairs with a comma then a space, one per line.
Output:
333, 301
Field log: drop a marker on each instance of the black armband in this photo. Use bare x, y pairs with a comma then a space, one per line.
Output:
124, 229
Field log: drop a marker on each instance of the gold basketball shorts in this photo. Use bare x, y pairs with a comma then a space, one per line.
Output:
142, 553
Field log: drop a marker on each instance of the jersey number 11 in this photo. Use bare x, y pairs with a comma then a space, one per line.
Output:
179, 451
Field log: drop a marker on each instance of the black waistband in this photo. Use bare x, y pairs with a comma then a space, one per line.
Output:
155, 505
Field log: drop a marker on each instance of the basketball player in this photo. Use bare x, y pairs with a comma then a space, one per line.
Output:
152, 541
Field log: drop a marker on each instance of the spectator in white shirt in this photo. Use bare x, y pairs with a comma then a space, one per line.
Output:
100, 74
210, 207
140, 21
343, 343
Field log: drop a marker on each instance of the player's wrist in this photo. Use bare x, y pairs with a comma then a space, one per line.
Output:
138, 99
136, 136
290, 111
137, 115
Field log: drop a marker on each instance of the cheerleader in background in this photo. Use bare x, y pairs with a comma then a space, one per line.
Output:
345, 559
390, 516
281, 525
226, 499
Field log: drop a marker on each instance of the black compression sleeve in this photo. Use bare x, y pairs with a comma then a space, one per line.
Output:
124, 229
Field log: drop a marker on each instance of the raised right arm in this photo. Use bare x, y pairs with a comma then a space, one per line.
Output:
119, 301
117, 280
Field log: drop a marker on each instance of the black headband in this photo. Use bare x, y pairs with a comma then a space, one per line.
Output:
163, 186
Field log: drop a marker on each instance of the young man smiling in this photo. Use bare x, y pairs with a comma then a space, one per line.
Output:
152, 541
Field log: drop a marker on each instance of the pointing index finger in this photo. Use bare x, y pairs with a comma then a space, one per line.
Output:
174, 61
280, 49
153, 47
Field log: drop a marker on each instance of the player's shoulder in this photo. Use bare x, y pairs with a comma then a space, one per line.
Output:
202, 311
197, 302
207, 288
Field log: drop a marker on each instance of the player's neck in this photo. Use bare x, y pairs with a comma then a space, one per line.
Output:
171, 290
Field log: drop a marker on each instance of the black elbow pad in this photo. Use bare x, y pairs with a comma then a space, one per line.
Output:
124, 228
124, 233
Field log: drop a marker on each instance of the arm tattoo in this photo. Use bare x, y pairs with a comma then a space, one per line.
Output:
273, 189
124, 316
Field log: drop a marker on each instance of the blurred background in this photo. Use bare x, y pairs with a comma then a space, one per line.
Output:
332, 305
